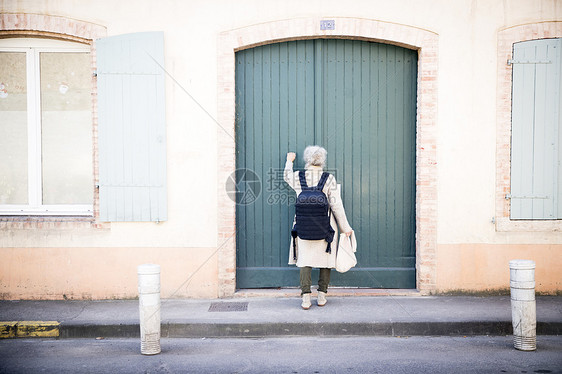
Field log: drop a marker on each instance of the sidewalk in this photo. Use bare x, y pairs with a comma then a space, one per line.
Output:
342, 316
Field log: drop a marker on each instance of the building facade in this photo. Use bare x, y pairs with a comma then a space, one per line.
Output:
156, 132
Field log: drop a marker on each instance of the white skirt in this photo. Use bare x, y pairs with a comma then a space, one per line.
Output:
313, 252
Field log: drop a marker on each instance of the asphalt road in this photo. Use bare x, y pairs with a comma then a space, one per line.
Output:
479, 354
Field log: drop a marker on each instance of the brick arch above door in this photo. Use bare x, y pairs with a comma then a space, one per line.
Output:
426, 42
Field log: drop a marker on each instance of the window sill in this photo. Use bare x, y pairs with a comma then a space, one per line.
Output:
47, 210
505, 224
27, 222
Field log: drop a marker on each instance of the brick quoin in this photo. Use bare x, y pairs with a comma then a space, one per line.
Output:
506, 38
425, 42
37, 25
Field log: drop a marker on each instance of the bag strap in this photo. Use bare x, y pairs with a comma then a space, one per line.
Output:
329, 246
322, 181
302, 179
294, 235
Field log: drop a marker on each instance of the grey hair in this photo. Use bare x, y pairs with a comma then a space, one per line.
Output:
315, 155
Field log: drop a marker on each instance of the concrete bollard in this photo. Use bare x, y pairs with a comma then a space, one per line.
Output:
523, 304
149, 308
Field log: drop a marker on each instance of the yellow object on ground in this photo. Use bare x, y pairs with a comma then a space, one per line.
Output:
8, 329
29, 329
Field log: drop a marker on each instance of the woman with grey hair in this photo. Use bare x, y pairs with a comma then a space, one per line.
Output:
307, 251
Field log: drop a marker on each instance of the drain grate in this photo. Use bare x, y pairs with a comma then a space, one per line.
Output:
228, 307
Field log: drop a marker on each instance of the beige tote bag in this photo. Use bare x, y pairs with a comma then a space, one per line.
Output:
345, 256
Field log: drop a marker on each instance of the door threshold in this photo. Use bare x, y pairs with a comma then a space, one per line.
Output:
332, 291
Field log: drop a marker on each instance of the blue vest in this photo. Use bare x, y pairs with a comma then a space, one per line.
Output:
312, 213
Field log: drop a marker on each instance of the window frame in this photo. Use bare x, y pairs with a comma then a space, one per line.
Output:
506, 37
33, 48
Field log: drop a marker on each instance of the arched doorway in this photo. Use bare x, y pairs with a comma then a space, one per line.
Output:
357, 99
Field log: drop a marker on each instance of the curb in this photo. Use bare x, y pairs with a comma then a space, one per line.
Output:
29, 329
260, 330
53, 329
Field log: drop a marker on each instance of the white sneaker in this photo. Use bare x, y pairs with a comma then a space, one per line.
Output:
306, 303
322, 298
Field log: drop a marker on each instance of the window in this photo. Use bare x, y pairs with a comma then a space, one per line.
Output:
46, 159
536, 175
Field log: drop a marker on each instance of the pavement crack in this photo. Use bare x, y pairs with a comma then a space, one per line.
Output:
77, 314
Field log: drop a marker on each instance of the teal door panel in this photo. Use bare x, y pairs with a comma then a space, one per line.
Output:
358, 100
273, 277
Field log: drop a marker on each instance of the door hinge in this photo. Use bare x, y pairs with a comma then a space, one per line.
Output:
512, 62
510, 196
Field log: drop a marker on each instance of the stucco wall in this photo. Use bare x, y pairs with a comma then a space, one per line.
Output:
103, 273
466, 149
485, 267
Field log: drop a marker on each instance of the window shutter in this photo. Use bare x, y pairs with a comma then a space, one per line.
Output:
535, 129
131, 127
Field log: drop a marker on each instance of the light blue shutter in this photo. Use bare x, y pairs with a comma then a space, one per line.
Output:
132, 127
535, 129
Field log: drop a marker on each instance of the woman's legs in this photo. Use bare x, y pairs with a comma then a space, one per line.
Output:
324, 279
306, 280
306, 283
305, 286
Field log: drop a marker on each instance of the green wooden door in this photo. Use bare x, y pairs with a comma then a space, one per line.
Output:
358, 100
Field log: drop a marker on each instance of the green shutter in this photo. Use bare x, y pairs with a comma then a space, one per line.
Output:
358, 100
132, 127
535, 130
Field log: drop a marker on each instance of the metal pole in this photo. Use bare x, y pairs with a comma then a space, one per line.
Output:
149, 308
523, 304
